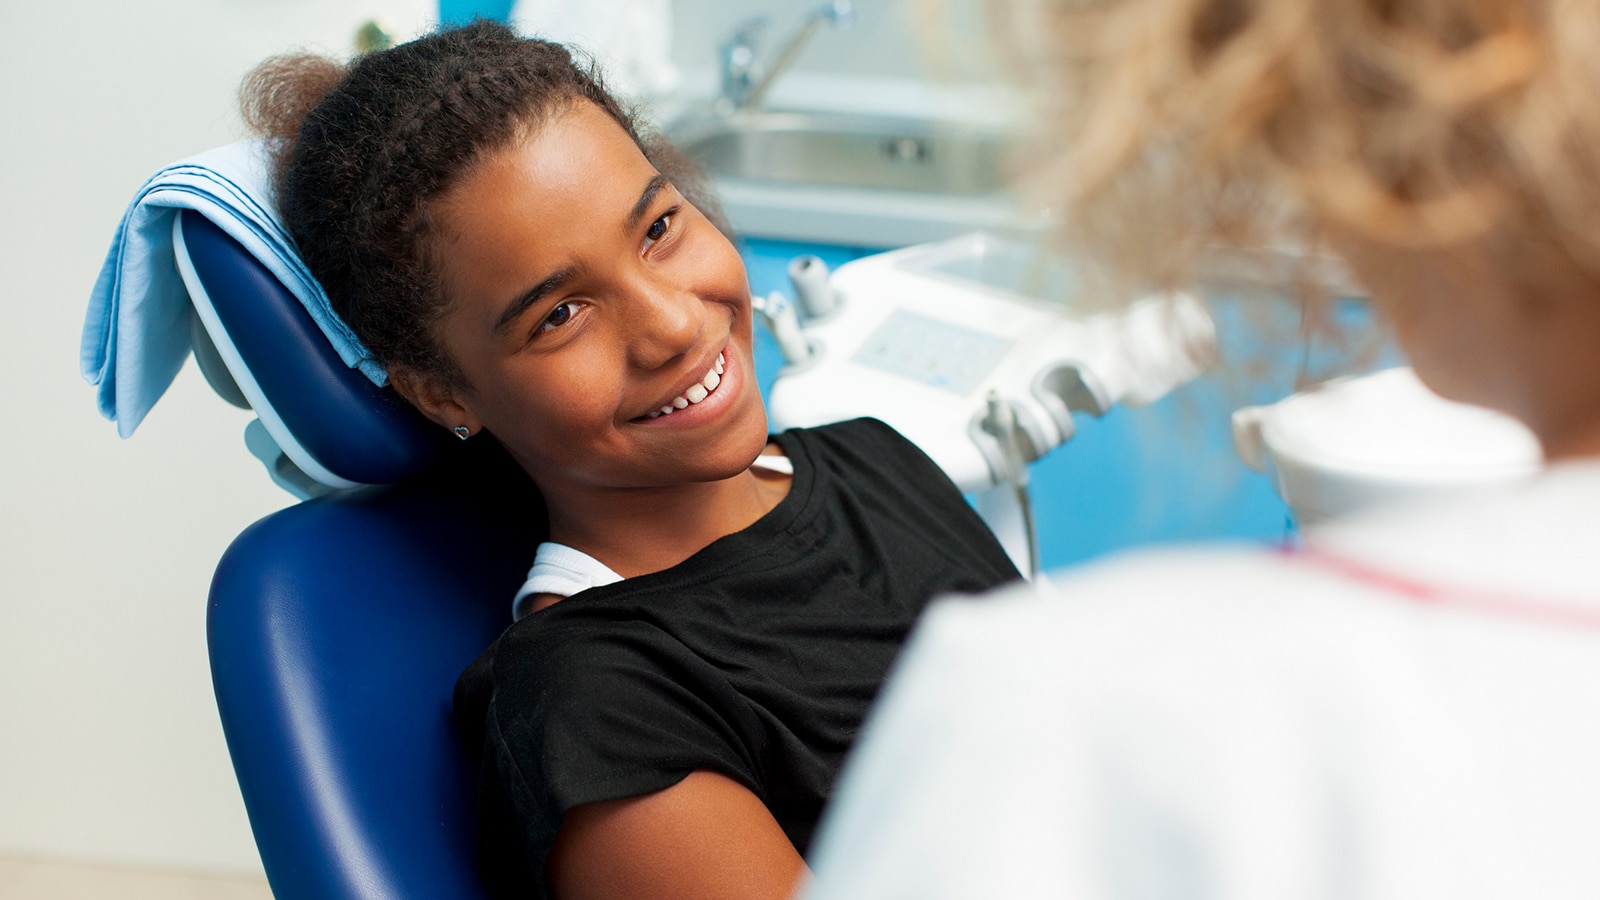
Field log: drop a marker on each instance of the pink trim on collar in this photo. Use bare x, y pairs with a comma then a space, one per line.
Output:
1563, 614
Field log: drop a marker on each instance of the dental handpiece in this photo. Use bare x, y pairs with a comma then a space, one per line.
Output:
1000, 421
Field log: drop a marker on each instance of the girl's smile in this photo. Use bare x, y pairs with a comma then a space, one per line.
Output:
697, 395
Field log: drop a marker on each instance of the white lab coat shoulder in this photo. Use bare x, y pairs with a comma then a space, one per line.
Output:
1248, 724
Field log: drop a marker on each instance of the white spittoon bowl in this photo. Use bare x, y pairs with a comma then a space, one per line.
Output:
1359, 443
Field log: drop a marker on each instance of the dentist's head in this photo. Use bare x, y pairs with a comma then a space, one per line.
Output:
1449, 149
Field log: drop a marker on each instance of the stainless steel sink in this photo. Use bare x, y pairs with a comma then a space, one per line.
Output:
850, 178
877, 153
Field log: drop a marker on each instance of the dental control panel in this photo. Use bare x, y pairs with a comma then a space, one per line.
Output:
975, 348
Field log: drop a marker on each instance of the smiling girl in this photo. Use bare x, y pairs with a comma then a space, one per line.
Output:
714, 608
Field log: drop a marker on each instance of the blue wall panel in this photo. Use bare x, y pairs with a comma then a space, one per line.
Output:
456, 12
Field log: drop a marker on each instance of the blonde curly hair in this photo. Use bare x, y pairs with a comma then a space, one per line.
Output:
1177, 125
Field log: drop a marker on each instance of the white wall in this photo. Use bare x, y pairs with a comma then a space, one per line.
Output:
109, 743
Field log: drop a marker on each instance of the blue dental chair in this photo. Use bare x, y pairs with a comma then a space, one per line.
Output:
337, 627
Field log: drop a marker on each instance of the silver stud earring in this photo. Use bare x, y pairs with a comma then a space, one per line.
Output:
462, 432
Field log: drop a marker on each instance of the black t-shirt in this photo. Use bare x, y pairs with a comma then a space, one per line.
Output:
755, 658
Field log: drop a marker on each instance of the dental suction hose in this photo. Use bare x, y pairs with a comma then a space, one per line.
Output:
1016, 450
813, 299
809, 275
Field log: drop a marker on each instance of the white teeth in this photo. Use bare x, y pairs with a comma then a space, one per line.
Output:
700, 391
695, 393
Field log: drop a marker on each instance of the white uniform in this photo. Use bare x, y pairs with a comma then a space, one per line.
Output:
1412, 711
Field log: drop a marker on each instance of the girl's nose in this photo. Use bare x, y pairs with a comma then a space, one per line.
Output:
665, 322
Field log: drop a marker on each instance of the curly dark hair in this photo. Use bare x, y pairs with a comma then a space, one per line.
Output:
363, 149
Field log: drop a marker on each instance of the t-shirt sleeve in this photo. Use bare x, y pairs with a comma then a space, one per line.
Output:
587, 715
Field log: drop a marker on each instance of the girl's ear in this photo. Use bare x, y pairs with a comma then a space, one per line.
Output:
442, 403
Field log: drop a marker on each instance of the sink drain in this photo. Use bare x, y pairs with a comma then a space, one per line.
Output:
906, 150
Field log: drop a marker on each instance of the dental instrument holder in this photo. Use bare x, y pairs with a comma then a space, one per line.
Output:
814, 299
1011, 522
977, 351
780, 318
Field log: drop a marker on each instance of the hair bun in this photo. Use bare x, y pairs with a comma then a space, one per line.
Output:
276, 96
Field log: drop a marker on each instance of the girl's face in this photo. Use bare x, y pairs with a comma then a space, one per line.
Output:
586, 296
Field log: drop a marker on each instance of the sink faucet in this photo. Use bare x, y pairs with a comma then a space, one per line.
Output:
745, 79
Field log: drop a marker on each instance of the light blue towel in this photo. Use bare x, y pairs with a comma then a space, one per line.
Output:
136, 335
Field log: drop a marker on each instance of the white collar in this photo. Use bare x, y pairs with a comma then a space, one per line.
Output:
1538, 538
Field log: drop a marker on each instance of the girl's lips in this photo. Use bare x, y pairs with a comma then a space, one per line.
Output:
698, 401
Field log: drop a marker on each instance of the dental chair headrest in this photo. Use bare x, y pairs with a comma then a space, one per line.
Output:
328, 420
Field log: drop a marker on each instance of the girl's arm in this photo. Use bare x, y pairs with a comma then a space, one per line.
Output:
705, 838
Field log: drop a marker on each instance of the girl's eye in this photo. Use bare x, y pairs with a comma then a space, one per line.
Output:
659, 228
557, 318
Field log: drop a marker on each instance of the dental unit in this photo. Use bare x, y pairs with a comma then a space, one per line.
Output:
980, 351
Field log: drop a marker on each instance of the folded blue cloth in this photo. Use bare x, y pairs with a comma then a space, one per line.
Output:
136, 334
